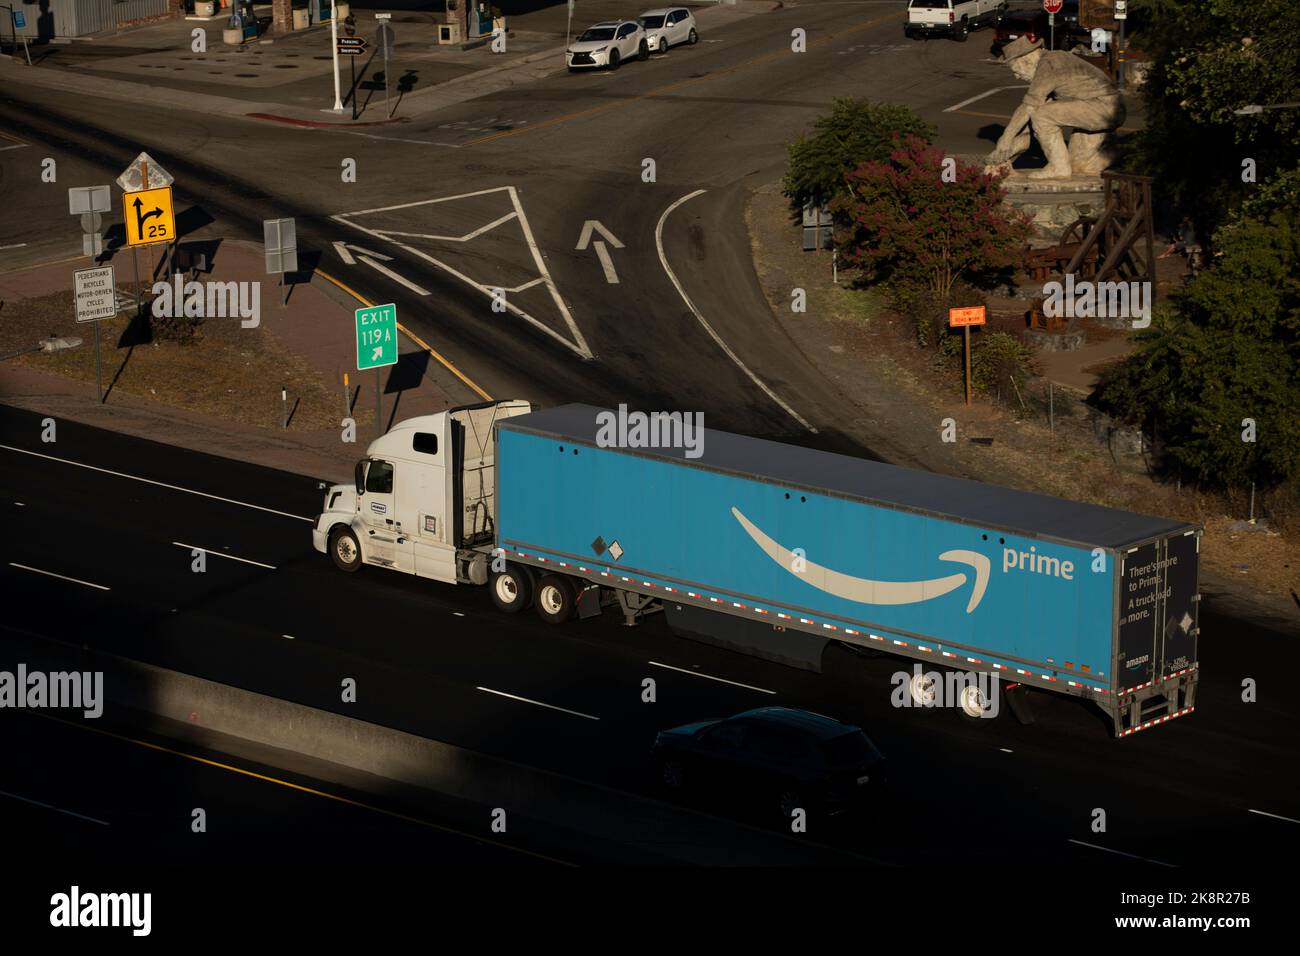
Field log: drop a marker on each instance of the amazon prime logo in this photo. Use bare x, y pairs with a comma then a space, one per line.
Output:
208, 300
975, 693
655, 430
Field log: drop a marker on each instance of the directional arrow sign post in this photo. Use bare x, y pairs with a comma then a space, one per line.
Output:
377, 347
590, 226
147, 216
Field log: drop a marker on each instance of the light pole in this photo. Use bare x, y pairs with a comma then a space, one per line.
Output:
1254, 108
334, 39
52, 344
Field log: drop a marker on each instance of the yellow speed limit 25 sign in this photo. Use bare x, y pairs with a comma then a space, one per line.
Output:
148, 216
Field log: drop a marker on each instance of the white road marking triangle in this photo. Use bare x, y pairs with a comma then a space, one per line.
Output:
577, 344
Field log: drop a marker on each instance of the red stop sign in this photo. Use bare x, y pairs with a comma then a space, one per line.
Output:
1053, 6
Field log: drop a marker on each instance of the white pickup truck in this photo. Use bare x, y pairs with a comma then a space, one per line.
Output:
951, 18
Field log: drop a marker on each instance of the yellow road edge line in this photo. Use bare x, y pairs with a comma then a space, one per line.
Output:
300, 787
445, 363
1007, 116
765, 58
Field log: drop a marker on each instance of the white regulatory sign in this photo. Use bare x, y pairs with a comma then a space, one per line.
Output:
95, 291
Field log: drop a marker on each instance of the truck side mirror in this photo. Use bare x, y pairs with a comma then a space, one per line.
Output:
360, 477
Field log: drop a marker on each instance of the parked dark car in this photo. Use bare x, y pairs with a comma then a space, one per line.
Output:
1033, 24
772, 759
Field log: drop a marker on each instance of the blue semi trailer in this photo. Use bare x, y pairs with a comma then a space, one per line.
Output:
779, 550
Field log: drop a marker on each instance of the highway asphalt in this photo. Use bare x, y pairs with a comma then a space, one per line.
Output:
440, 661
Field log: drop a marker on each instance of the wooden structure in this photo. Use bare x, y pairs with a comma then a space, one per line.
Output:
1118, 245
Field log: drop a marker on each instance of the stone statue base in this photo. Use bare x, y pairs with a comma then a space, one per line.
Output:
1053, 204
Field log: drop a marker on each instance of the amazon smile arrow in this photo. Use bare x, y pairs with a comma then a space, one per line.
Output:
867, 591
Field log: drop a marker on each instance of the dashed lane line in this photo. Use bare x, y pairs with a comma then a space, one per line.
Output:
150, 481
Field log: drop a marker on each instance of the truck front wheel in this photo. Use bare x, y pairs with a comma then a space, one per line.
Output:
344, 550
556, 597
511, 589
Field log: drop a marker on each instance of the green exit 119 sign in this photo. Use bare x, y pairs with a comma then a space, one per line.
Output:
376, 336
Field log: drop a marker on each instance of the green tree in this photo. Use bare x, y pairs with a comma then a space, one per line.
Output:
854, 132
916, 220
1228, 350
1212, 58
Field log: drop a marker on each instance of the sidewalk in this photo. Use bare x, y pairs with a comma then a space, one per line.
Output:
289, 76
314, 334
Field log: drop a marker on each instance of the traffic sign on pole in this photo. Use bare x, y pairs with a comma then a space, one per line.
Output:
376, 336
352, 46
96, 293
1053, 6
147, 216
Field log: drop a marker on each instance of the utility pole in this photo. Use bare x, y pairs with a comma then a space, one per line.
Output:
334, 39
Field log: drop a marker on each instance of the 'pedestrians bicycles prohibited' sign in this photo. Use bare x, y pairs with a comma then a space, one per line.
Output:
376, 336
96, 294
147, 215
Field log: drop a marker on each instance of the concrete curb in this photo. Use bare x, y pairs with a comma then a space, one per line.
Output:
618, 817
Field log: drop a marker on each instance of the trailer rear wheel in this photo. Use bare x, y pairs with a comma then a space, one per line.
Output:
556, 598
511, 589
974, 702
922, 690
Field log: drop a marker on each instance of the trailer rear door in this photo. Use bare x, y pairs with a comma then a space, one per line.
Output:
1158, 616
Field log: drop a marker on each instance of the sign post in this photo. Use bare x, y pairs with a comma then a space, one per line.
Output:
1052, 8
964, 318
280, 237
334, 38
1120, 14
377, 347
385, 38
95, 292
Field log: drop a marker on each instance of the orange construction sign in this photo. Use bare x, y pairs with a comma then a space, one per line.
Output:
970, 315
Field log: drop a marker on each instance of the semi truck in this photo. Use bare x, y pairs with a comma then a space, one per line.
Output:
780, 550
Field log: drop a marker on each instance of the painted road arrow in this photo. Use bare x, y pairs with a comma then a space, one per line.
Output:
345, 250
606, 263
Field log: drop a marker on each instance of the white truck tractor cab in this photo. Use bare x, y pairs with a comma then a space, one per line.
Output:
423, 500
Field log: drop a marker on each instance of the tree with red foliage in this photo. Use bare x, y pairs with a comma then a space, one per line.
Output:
909, 223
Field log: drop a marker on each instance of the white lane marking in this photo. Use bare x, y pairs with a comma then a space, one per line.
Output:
458, 613
20, 504
578, 344
1131, 856
394, 276
996, 89
1006, 751
1275, 816
720, 680
5, 149
395, 139
342, 249
63, 577
606, 263
160, 484
288, 637
16, 245
663, 259
472, 234
220, 554
50, 806
501, 693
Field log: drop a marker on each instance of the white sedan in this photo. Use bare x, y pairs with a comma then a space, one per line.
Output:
608, 44
668, 26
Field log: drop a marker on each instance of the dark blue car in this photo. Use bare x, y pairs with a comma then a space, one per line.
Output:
774, 759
